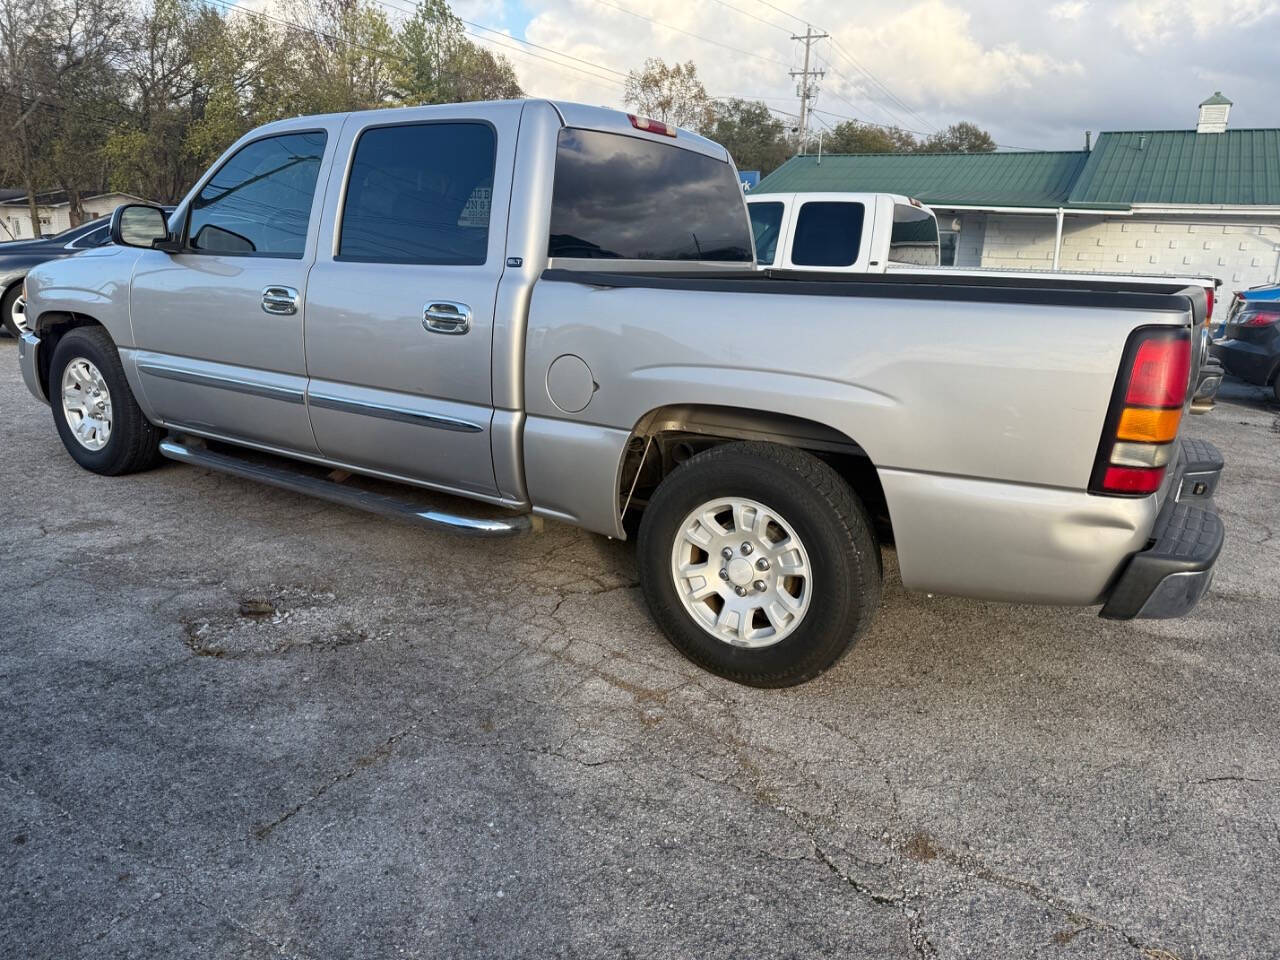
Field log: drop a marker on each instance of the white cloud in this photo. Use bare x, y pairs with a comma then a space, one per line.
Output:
1152, 23
1069, 10
1034, 74
929, 54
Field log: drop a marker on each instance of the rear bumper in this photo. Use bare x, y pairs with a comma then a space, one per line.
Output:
1174, 572
1251, 362
29, 361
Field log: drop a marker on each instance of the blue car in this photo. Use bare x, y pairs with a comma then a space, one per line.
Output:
1248, 344
1266, 292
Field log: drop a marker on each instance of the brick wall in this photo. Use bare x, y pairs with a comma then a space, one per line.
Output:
1241, 255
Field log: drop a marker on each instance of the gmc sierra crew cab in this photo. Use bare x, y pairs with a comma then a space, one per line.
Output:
555, 309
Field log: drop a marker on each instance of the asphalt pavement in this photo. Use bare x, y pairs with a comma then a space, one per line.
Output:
241, 723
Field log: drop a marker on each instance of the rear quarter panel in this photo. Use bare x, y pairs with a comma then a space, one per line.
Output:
996, 391
974, 414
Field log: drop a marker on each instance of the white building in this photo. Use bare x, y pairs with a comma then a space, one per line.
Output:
1203, 201
54, 210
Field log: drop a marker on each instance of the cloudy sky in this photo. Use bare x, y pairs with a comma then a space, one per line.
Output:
1035, 74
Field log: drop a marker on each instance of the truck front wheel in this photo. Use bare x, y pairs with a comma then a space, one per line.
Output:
759, 563
97, 417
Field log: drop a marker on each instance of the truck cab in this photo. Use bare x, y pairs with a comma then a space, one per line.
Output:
842, 232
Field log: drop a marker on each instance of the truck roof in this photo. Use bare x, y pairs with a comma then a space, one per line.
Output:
841, 195
571, 114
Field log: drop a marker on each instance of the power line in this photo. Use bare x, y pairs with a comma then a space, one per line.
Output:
667, 26
554, 63
876, 80
752, 16
885, 111
568, 56
507, 36
844, 53
785, 13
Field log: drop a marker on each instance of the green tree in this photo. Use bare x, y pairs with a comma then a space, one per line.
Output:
855, 137
754, 137
964, 137
475, 73
672, 95
438, 64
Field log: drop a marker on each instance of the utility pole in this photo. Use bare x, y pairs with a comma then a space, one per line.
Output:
805, 90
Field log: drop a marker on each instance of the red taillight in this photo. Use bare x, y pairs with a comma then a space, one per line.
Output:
651, 126
1263, 318
1160, 373
1146, 408
1208, 308
1133, 479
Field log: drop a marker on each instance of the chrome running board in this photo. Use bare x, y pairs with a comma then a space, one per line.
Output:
353, 497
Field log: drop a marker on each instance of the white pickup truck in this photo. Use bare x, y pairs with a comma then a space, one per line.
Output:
843, 232
847, 232
554, 309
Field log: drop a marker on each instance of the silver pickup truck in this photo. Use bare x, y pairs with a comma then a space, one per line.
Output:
553, 309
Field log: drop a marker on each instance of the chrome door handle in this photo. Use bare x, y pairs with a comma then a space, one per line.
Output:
280, 300
446, 316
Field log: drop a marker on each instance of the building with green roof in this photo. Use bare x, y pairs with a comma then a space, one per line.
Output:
1203, 201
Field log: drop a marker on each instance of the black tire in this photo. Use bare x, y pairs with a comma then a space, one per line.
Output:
1275, 388
827, 517
6, 310
133, 443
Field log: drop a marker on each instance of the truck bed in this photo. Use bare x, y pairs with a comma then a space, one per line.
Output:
1049, 290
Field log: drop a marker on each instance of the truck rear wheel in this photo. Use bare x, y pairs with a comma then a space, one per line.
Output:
759, 563
97, 417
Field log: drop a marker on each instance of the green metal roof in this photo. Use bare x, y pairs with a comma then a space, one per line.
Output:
1182, 166
1217, 100
1022, 179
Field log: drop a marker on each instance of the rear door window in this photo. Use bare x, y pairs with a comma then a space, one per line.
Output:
258, 204
621, 197
420, 193
915, 236
828, 234
766, 224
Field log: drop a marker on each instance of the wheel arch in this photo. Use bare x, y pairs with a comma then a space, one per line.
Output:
666, 436
51, 326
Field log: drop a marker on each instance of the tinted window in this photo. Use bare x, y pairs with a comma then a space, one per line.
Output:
420, 193
915, 236
766, 222
828, 234
259, 201
623, 197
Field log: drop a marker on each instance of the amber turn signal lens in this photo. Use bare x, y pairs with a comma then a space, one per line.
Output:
1148, 426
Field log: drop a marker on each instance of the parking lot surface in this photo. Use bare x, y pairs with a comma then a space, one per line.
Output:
240, 723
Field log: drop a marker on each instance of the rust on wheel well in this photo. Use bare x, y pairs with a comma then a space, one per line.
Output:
666, 437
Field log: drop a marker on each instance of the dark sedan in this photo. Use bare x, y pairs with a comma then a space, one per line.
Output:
1249, 346
19, 256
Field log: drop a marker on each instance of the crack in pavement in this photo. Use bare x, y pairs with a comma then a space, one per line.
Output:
379, 753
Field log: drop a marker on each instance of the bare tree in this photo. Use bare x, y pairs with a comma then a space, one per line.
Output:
55, 57
672, 94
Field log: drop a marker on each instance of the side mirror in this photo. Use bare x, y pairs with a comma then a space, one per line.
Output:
140, 225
